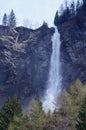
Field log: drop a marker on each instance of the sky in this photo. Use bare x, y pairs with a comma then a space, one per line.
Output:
31, 12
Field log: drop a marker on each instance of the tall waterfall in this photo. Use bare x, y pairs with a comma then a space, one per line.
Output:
53, 85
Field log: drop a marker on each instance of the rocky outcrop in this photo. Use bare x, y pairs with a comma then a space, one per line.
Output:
73, 50
24, 61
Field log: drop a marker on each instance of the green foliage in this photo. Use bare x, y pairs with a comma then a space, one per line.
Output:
66, 117
32, 119
6, 115
9, 110
72, 109
82, 116
4, 20
16, 106
36, 115
12, 20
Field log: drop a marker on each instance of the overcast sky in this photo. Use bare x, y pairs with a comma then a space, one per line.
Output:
34, 11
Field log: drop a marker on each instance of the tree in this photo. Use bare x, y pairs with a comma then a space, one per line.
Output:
66, 3
4, 20
82, 116
66, 14
6, 115
66, 117
84, 6
16, 106
72, 9
36, 115
61, 9
32, 119
56, 18
12, 20
9, 110
78, 5
80, 12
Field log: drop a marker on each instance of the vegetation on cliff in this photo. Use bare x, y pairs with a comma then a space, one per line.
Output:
9, 20
67, 13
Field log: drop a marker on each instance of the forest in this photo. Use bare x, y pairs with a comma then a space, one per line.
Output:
66, 13
70, 116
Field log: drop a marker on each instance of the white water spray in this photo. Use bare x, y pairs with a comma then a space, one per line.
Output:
53, 85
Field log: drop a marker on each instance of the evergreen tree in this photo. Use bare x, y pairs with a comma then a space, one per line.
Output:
16, 106
66, 117
4, 20
61, 9
66, 14
79, 10
12, 20
72, 9
84, 6
6, 115
77, 7
37, 118
82, 116
56, 18
78, 4
8, 111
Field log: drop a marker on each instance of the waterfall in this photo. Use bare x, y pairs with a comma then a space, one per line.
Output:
54, 81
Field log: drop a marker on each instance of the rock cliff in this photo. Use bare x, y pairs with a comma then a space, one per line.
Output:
73, 50
25, 57
24, 61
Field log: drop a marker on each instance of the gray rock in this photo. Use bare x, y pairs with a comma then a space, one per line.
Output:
24, 61
73, 51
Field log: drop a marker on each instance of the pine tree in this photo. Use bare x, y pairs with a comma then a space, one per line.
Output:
56, 18
82, 116
84, 5
11, 108
36, 115
66, 117
77, 7
61, 9
78, 4
66, 14
16, 106
6, 115
79, 10
4, 20
12, 20
72, 9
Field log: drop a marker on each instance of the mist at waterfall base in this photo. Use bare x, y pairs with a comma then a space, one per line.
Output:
53, 86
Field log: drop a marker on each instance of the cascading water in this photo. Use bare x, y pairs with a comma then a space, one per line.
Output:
54, 82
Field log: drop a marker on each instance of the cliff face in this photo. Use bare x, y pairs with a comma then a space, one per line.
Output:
24, 60
25, 57
73, 50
